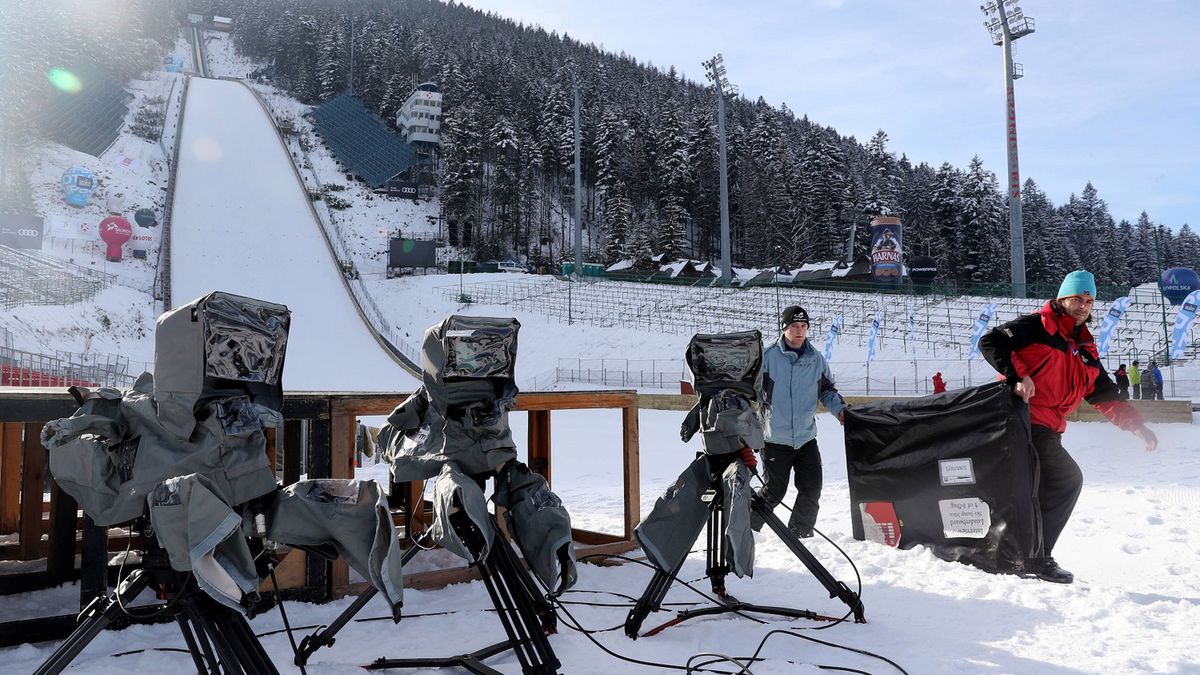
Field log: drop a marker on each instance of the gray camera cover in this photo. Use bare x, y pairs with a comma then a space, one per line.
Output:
460, 413
216, 346
114, 450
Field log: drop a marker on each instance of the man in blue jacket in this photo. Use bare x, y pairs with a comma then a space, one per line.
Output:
796, 376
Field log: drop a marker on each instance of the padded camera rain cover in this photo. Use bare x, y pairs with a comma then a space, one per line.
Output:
460, 412
215, 346
956, 472
727, 374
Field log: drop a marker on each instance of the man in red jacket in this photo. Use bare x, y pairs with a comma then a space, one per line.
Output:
1050, 359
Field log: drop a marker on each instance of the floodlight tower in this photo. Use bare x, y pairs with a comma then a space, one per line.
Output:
578, 180
716, 74
1006, 22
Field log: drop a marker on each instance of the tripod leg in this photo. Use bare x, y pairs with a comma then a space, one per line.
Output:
523, 612
327, 636
837, 589
717, 553
651, 600
198, 656
98, 615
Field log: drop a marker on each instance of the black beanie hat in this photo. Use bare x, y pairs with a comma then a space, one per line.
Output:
793, 314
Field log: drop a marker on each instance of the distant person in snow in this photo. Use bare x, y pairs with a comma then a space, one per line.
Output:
1122, 381
796, 377
939, 385
1050, 359
1155, 383
1135, 380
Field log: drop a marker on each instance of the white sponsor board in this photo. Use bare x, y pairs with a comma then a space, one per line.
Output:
967, 517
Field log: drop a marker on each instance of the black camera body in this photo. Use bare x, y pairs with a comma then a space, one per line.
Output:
727, 376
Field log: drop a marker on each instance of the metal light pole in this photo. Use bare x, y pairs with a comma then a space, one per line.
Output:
717, 75
1006, 22
578, 182
1162, 299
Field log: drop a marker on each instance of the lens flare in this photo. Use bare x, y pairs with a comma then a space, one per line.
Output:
64, 80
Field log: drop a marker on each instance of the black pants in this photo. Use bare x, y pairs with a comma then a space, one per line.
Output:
780, 461
1137, 391
1059, 486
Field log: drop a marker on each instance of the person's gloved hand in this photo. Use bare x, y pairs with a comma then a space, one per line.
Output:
1143, 432
748, 458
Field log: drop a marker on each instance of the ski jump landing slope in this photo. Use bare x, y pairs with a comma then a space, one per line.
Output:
241, 223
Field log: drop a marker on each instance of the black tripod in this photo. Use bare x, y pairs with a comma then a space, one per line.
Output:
527, 616
717, 567
218, 638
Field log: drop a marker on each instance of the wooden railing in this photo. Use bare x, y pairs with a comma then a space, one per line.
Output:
317, 440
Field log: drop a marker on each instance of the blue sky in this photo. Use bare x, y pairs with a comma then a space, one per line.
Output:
1111, 91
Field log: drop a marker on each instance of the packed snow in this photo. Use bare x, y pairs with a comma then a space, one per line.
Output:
1131, 545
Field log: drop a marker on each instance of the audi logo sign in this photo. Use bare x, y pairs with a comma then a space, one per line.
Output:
21, 231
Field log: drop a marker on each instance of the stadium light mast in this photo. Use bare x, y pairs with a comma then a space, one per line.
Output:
717, 75
578, 180
1007, 22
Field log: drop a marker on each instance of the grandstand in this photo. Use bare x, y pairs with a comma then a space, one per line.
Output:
85, 110
34, 278
362, 141
943, 324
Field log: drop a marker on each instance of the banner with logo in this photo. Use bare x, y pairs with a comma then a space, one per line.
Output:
81, 228
875, 324
834, 330
981, 324
1109, 326
21, 230
1183, 324
887, 240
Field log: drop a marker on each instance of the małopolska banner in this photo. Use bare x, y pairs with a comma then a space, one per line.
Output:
80, 228
1107, 327
834, 329
1183, 324
981, 324
875, 324
886, 250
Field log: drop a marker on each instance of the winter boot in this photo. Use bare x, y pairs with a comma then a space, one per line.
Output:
1050, 571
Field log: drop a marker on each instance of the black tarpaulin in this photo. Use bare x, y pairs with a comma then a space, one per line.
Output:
955, 472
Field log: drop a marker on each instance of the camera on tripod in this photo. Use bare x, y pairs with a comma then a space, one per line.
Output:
186, 451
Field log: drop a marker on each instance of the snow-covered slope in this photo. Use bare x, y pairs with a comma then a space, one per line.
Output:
242, 224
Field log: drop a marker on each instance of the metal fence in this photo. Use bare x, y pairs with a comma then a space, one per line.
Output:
30, 277
20, 368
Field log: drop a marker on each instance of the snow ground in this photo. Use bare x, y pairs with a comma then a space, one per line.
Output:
1131, 545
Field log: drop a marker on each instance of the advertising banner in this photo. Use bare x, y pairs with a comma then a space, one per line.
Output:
1183, 325
21, 231
875, 324
981, 324
1109, 325
887, 254
834, 329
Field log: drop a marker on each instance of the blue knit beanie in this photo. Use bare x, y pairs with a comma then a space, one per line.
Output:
1079, 282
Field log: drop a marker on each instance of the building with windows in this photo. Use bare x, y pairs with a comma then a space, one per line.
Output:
420, 118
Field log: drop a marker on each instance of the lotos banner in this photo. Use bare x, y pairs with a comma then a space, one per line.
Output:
1107, 327
981, 324
1183, 324
834, 330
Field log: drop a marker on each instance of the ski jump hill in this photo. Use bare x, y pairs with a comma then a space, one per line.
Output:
241, 222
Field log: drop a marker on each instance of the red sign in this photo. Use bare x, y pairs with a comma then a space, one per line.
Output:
115, 231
